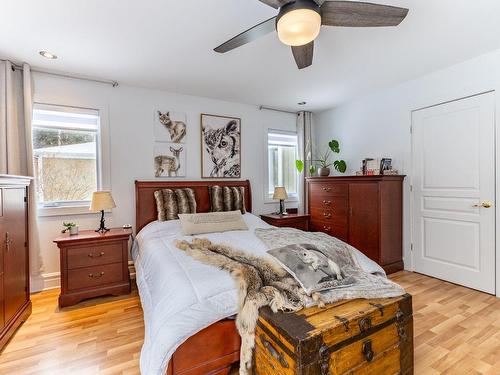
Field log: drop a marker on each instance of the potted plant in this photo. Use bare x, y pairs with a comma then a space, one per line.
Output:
325, 161
71, 227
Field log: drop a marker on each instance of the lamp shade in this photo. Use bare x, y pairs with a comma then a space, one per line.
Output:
280, 193
102, 200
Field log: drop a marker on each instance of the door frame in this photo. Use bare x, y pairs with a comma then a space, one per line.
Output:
497, 182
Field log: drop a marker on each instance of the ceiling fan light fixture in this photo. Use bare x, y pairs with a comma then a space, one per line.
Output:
298, 23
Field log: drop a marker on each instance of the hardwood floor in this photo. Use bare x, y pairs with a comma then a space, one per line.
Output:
457, 331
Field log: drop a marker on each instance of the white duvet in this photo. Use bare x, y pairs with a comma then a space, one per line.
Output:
181, 296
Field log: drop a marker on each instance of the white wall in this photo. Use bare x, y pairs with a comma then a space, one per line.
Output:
378, 124
128, 112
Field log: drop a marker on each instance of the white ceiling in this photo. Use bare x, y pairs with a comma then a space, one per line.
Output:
167, 44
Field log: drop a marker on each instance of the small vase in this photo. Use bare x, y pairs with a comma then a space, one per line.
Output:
73, 231
324, 172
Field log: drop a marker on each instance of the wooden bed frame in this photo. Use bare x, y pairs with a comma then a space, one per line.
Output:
214, 349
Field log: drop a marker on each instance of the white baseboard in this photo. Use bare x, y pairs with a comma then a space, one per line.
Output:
45, 281
52, 280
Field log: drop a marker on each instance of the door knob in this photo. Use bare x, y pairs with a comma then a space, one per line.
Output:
484, 204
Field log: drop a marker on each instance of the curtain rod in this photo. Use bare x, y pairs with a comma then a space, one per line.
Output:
67, 75
262, 107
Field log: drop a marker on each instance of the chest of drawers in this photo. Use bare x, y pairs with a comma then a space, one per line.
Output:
93, 264
364, 211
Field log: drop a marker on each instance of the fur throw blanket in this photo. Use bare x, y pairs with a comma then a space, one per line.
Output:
260, 283
263, 282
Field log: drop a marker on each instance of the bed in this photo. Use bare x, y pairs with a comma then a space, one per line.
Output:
188, 305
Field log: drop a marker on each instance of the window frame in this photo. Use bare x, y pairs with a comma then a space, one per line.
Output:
102, 158
268, 198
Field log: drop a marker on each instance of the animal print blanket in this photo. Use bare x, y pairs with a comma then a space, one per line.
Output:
265, 283
353, 283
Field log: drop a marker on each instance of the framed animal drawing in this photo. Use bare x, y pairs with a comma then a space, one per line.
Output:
170, 126
169, 159
220, 146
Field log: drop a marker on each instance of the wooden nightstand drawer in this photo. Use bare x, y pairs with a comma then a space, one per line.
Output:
94, 255
94, 276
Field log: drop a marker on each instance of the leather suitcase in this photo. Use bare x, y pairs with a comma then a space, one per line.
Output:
363, 336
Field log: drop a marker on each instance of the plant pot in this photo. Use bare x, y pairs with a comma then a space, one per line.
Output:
324, 172
73, 231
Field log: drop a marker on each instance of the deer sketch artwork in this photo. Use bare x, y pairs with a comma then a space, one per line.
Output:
168, 164
222, 145
176, 129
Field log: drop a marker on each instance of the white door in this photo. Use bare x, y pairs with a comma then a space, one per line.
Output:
453, 187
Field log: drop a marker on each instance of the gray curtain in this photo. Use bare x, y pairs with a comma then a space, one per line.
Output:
305, 149
12, 129
16, 150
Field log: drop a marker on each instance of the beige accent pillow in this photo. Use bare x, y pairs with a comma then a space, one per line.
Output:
211, 222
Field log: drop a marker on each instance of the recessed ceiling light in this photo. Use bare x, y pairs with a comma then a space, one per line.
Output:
48, 55
302, 103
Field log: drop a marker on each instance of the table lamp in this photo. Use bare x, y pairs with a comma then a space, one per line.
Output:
280, 193
102, 200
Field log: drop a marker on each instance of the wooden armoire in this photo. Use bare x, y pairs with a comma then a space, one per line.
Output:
15, 304
364, 211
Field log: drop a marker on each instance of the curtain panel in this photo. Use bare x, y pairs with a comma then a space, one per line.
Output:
305, 149
16, 150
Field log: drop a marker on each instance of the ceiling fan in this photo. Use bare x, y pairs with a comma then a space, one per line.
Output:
298, 23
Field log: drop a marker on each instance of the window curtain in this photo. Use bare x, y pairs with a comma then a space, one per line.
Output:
13, 141
305, 149
16, 151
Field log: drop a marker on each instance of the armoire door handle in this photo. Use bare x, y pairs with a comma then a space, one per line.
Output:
8, 241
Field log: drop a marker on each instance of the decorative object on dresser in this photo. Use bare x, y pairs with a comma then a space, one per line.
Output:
298, 221
324, 161
364, 211
72, 228
280, 193
93, 264
102, 200
15, 303
220, 146
348, 337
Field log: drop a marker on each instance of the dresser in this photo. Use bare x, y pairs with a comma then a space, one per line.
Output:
15, 304
93, 264
364, 211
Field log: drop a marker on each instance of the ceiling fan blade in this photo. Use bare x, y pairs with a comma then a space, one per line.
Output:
304, 55
248, 36
276, 4
358, 14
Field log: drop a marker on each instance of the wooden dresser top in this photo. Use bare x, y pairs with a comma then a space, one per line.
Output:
91, 235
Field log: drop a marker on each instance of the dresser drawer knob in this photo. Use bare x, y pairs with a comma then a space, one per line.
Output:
96, 256
327, 203
327, 215
328, 229
96, 276
327, 189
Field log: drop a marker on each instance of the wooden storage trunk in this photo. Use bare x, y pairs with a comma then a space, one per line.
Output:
349, 337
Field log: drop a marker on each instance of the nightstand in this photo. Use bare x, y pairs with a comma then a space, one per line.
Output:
93, 264
298, 221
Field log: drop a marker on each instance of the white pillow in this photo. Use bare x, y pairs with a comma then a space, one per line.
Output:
211, 222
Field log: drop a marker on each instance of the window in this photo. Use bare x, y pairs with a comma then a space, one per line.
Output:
282, 153
65, 155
